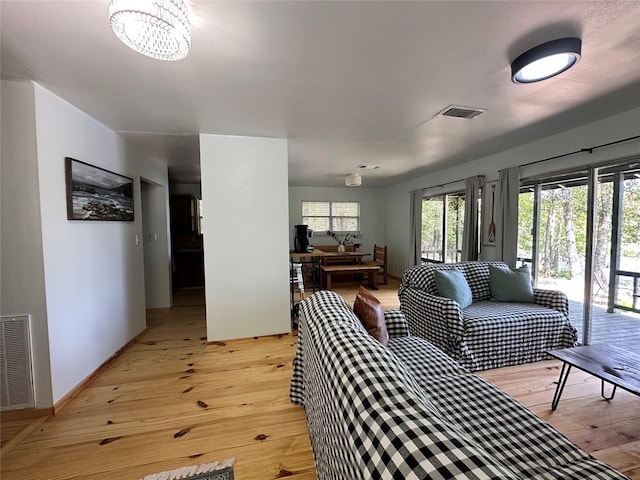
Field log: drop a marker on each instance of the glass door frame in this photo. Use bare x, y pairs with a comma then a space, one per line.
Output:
619, 168
444, 200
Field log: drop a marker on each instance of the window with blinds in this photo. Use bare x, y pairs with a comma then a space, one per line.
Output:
336, 216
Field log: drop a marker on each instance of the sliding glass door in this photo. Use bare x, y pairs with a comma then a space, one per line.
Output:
562, 243
455, 226
626, 255
580, 232
432, 247
442, 225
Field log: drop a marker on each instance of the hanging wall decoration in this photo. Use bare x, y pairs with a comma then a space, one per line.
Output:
94, 193
490, 196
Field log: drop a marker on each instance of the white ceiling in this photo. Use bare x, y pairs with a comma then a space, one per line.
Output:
347, 83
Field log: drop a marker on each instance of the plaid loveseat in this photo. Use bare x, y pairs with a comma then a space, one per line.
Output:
408, 411
486, 334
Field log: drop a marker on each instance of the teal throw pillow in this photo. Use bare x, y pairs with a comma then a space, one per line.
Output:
452, 284
510, 284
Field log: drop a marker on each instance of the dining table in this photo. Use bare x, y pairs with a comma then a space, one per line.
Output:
342, 257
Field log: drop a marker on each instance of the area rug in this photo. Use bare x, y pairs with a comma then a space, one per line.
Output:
209, 471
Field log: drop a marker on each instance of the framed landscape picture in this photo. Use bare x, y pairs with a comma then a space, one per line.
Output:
94, 193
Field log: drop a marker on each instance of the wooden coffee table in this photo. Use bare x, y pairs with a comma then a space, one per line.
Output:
609, 363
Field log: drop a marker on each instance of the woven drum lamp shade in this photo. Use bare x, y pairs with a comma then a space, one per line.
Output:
353, 180
156, 28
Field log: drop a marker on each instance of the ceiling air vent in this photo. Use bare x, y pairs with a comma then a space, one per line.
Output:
461, 112
368, 167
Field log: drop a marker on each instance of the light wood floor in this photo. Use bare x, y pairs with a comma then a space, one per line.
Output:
171, 400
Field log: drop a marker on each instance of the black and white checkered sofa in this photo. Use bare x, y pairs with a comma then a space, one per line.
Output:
486, 334
408, 411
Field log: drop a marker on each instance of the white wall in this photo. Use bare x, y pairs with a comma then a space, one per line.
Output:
22, 284
607, 130
157, 255
244, 195
94, 271
371, 212
81, 281
155, 215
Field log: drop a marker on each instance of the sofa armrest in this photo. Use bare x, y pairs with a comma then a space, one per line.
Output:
553, 299
436, 319
397, 325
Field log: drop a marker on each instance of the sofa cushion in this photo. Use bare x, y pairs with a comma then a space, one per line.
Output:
421, 277
498, 334
477, 275
396, 323
510, 284
369, 310
452, 284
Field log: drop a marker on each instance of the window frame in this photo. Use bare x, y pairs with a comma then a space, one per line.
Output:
444, 253
331, 216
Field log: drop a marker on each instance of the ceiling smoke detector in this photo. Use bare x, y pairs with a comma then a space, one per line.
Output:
353, 180
457, 111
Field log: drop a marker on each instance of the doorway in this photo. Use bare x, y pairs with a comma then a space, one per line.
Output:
187, 249
442, 226
155, 243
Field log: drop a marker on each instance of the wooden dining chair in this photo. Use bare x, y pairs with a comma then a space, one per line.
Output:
380, 258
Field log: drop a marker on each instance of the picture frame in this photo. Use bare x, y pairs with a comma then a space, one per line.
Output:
490, 198
97, 194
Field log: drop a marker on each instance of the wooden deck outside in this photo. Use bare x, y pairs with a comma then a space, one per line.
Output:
619, 328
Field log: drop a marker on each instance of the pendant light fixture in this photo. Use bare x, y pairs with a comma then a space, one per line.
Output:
353, 180
156, 28
546, 60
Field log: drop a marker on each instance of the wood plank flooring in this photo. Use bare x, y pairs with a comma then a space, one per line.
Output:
610, 431
171, 400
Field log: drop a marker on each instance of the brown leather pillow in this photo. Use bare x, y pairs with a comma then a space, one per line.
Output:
368, 309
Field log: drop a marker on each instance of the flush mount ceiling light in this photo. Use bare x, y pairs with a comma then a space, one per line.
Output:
155, 28
546, 60
353, 180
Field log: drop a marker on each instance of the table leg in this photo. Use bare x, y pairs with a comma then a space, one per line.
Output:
372, 281
613, 392
327, 280
316, 273
561, 382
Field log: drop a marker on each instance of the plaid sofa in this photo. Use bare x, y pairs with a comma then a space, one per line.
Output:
408, 411
486, 334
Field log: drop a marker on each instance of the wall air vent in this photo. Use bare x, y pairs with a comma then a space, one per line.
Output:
16, 375
461, 112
